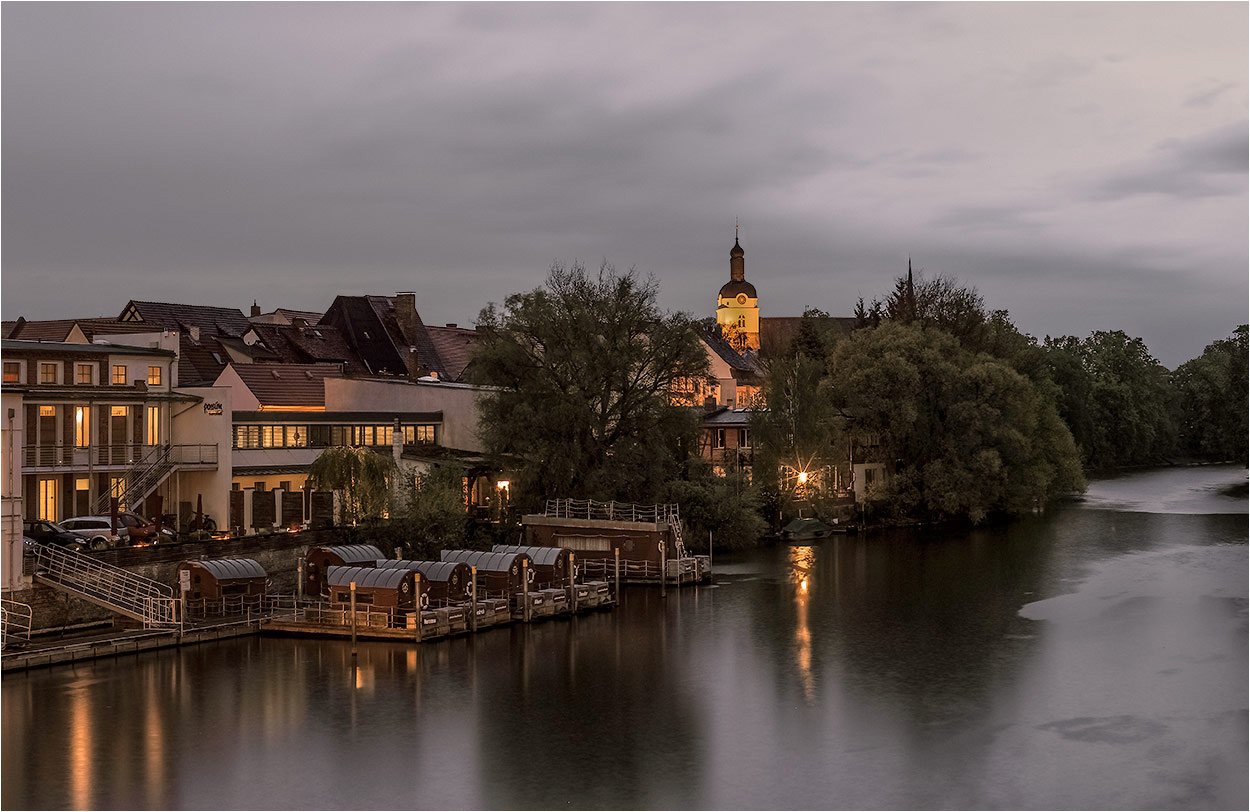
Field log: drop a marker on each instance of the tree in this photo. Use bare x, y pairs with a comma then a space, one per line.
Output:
728, 506
965, 434
1116, 398
583, 371
798, 432
361, 475
435, 510
1211, 394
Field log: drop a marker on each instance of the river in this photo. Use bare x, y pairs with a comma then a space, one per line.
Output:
1093, 657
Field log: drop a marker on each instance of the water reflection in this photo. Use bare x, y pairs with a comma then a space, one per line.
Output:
892, 670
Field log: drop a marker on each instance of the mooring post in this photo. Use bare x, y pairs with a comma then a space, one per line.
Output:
525, 590
473, 595
416, 600
663, 583
710, 572
616, 555
353, 596
572, 582
299, 583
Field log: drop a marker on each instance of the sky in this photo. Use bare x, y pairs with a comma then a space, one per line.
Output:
1084, 166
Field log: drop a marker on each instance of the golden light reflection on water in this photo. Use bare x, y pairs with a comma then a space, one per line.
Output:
802, 562
80, 750
154, 740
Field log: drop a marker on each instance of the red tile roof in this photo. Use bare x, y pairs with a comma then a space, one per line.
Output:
287, 384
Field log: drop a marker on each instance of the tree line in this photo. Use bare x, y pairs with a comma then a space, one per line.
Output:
969, 418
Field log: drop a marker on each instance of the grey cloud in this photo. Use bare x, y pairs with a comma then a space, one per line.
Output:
1211, 164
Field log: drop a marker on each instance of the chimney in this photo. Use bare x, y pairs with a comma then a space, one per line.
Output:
451, 325
406, 315
255, 309
709, 404
195, 333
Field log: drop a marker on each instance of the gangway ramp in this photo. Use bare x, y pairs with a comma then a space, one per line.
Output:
116, 589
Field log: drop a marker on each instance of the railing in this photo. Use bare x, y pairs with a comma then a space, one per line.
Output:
14, 622
119, 589
605, 568
612, 511
64, 455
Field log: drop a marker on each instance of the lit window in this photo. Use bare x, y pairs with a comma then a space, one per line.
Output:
47, 373
82, 483
47, 499
119, 411
12, 372
82, 374
47, 411
295, 438
154, 376
82, 426
266, 436
117, 487
119, 374
425, 434
154, 424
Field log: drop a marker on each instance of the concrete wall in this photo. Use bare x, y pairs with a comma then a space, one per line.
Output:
457, 402
11, 527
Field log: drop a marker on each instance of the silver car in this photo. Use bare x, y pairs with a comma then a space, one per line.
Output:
97, 531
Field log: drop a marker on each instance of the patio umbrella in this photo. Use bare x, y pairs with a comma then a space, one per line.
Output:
199, 511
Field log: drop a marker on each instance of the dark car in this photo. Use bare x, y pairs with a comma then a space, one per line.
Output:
46, 532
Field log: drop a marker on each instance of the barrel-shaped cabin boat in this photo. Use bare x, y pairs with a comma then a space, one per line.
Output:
498, 574
380, 588
224, 577
447, 581
551, 564
320, 559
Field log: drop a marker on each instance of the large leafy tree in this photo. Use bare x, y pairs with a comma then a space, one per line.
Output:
1212, 403
582, 371
964, 433
433, 505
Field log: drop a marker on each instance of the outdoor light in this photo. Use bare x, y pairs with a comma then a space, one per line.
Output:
502, 484
802, 477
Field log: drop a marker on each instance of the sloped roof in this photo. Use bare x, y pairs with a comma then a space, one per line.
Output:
724, 417
355, 553
257, 351
228, 320
287, 384
304, 345
455, 349
366, 577
49, 330
427, 355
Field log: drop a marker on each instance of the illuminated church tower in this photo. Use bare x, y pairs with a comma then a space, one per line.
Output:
737, 307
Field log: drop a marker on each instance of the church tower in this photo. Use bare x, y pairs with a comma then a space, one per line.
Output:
737, 306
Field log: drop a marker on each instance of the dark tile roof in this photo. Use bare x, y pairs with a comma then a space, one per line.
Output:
308, 316
724, 416
373, 330
725, 350
47, 330
287, 384
6, 327
427, 355
455, 349
45, 347
228, 320
306, 345
776, 332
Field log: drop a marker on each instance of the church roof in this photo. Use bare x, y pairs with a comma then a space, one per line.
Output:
732, 288
736, 251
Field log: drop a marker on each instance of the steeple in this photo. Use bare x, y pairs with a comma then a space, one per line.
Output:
737, 267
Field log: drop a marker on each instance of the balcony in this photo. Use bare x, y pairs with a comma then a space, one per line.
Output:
67, 458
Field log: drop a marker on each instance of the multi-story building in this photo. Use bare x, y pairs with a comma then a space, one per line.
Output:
87, 422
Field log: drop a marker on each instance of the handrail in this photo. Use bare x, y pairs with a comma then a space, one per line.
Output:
612, 511
15, 621
118, 588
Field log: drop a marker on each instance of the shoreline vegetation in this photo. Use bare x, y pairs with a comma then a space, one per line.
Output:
963, 418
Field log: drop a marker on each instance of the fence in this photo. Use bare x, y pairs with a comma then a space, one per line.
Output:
611, 511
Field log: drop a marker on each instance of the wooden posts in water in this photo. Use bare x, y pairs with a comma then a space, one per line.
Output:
353, 596
616, 556
525, 589
573, 581
417, 598
299, 581
663, 567
710, 569
473, 596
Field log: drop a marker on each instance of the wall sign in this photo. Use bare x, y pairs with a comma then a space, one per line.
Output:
213, 408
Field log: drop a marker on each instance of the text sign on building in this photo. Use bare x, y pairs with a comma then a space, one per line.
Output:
213, 408
184, 580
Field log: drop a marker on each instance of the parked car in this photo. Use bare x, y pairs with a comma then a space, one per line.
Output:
141, 530
170, 520
98, 531
42, 531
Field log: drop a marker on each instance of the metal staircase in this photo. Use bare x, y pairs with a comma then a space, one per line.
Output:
103, 584
142, 478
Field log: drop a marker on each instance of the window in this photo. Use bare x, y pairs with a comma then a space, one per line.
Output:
719, 439
117, 490
742, 322
259, 486
119, 411
47, 411
247, 436
82, 427
47, 499
83, 375
870, 474
744, 438
154, 376
82, 483
285, 484
154, 424
47, 373
12, 371
119, 374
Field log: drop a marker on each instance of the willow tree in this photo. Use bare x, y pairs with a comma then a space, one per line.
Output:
583, 372
361, 475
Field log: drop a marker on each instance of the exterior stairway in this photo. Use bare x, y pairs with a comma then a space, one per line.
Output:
142, 478
114, 588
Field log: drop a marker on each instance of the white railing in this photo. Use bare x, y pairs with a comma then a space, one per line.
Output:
14, 622
117, 588
612, 511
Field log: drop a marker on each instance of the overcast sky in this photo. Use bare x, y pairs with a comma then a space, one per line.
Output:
1083, 165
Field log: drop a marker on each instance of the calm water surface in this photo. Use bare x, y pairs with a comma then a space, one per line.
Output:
1092, 658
